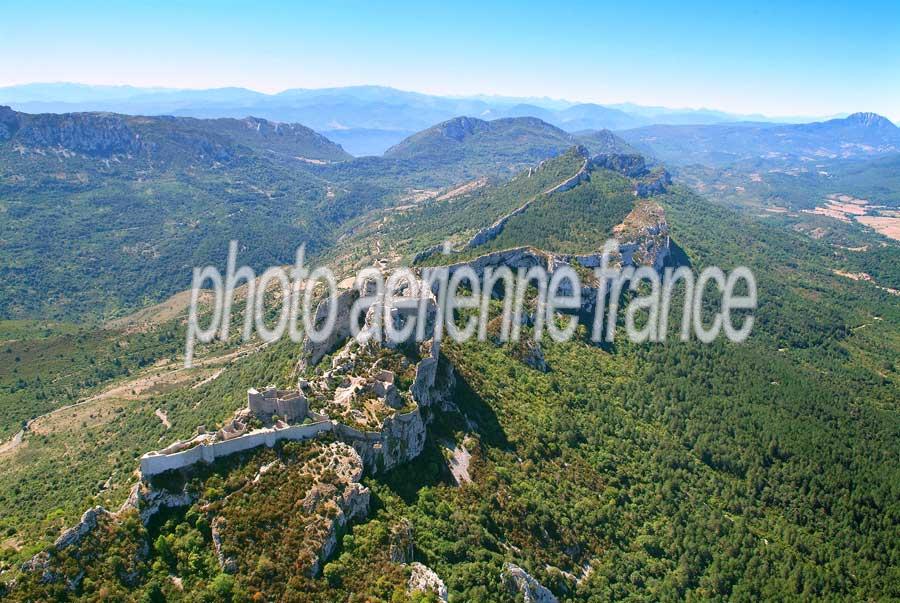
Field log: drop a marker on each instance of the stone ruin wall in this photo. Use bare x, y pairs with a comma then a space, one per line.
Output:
154, 463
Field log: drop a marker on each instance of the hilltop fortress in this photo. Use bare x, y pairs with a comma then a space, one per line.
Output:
365, 413
358, 399
359, 403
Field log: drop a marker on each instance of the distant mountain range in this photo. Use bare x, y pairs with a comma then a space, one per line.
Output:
858, 135
365, 120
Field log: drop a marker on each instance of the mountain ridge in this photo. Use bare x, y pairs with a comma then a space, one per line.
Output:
106, 134
355, 111
857, 135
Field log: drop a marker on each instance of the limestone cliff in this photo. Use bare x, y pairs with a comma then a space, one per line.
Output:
519, 581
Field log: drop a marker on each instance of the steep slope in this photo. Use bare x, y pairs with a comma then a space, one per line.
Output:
859, 135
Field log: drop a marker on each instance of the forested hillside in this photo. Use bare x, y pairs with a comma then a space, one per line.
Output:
647, 472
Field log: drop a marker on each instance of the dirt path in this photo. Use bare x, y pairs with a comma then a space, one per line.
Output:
863, 276
163, 417
12, 443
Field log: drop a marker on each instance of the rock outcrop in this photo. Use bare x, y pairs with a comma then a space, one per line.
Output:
335, 502
401, 542
313, 351
424, 579
88, 522
228, 564
519, 581
644, 236
84, 133
148, 501
630, 165
654, 183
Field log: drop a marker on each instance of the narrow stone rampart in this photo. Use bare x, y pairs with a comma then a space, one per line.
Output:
154, 463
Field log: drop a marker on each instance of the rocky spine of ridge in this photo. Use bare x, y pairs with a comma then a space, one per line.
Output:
493, 231
647, 183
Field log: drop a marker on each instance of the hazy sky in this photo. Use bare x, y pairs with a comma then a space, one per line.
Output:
805, 59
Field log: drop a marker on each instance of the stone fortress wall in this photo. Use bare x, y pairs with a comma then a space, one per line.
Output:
154, 463
402, 436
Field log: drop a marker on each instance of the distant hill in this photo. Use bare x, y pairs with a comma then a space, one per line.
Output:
290, 140
102, 211
505, 144
468, 134
603, 141
858, 135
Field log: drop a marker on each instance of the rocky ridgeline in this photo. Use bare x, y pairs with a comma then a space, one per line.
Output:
647, 183
84, 133
493, 231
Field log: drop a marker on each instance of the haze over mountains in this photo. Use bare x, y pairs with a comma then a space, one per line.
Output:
365, 120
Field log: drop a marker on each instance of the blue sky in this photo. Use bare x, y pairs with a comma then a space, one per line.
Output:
804, 59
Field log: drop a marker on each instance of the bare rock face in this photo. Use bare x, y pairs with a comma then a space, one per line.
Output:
534, 356
401, 439
88, 522
423, 579
630, 165
9, 122
41, 564
148, 502
228, 564
314, 351
460, 127
519, 581
89, 133
644, 236
654, 183
352, 502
